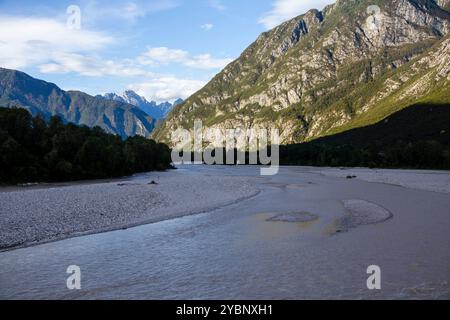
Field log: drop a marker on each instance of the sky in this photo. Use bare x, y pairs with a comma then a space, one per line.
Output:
162, 49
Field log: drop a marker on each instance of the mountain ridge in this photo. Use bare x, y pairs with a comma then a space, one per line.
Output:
18, 89
327, 71
152, 108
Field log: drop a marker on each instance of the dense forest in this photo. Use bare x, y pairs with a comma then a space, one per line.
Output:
417, 137
424, 154
35, 150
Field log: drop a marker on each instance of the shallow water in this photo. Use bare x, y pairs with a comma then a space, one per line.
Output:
236, 253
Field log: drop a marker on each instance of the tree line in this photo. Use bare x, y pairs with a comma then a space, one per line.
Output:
35, 150
422, 154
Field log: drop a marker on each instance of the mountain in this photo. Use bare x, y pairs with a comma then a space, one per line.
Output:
444, 4
329, 71
18, 89
152, 108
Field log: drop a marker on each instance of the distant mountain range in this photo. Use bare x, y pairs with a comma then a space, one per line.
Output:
152, 108
18, 89
325, 72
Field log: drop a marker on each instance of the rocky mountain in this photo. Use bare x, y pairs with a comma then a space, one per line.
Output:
444, 4
324, 72
152, 108
18, 89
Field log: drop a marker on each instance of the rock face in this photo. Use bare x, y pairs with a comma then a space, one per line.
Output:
18, 89
444, 3
152, 108
350, 65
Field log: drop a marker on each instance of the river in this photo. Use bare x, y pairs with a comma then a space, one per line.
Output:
234, 252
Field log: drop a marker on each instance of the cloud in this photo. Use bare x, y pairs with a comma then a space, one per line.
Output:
54, 48
91, 66
32, 41
216, 4
207, 26
164, 55
283, 10
49, 45
167, 88
130, 11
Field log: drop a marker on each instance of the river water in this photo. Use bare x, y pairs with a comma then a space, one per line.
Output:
236, 253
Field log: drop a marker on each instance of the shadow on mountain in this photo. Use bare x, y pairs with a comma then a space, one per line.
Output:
415, 137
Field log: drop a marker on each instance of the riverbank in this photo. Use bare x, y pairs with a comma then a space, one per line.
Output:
305, 235
44, 213
36, 214
427, 180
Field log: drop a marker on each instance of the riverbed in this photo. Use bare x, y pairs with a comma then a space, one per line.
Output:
303, 234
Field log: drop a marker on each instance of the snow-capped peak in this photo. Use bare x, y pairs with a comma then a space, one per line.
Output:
152, 108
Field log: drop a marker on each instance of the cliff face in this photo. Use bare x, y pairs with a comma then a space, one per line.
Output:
444, 3
352, 64
18, 89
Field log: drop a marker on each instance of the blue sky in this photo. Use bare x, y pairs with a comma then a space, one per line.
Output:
162, 49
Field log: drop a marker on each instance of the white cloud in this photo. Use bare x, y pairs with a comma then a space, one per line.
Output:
207, 26
283, 10
92, 66
33, 41
167, 88
53, 48
164, 55
216, 4
47, 43
153, 56
96, 11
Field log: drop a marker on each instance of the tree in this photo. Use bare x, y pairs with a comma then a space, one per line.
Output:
34, 150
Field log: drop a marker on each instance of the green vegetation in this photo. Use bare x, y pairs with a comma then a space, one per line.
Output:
424, 154
324, 73
17, 89
33, 150
415, 137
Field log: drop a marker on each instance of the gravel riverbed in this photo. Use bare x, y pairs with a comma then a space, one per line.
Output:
35, 215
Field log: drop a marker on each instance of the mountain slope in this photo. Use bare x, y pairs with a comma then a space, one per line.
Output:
18, 89
326, 72
444, 4
152, 108
415, 137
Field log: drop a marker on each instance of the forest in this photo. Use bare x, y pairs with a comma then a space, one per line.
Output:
417, 137
423, 154
35, 150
